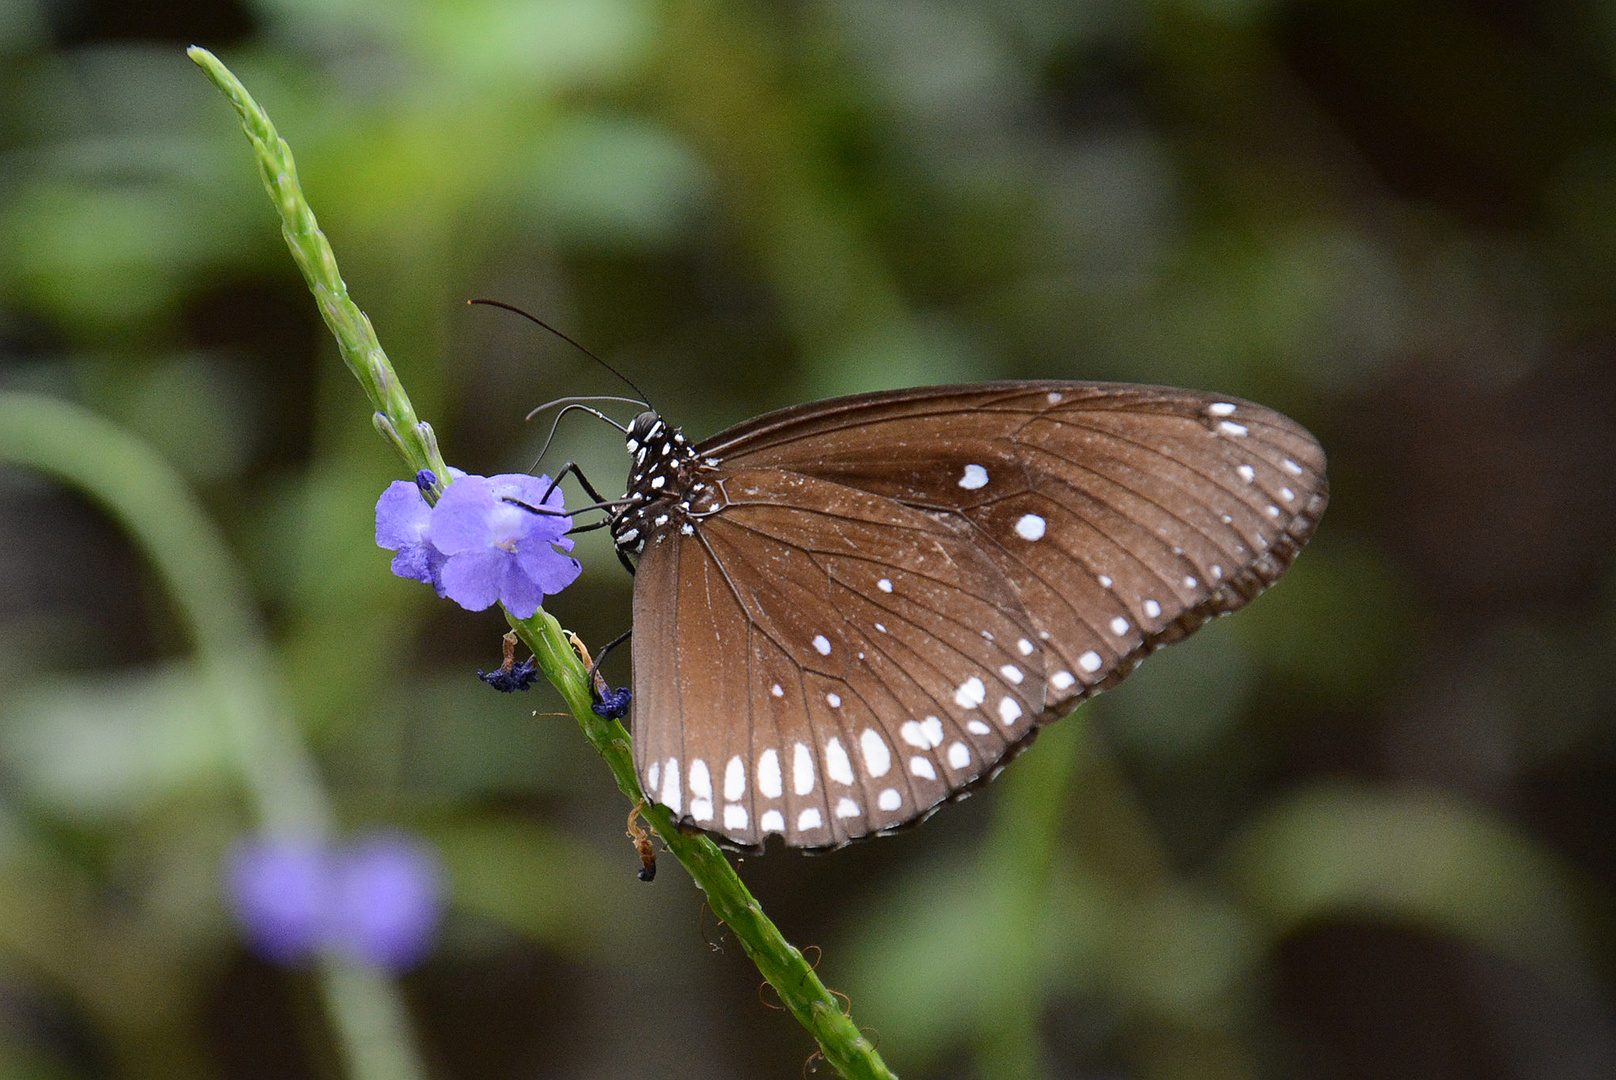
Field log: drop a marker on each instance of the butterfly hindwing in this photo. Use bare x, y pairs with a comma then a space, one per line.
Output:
874, 662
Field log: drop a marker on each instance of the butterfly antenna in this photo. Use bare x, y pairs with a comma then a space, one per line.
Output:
584, 397
557, 423
563, 337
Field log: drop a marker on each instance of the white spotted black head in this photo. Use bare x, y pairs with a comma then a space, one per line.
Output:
663, 464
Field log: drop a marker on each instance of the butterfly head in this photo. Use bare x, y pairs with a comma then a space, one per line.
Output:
661, 480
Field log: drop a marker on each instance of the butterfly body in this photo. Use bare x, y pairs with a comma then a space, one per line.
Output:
849, 612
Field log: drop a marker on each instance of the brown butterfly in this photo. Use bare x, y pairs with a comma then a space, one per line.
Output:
848, 612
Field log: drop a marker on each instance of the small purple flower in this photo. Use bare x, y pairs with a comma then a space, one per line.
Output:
376, 901
498, 551
476, 546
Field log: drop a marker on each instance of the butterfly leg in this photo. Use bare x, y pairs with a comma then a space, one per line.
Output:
594, 669
583, 482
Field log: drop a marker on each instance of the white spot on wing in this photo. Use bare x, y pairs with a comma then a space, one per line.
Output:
1030, 527
1011, 672
809, 819
1009, 711
1104, 580
837, 767
889, 799
1152, 609
768, 774
1190, 582
922, 767
1220, 408
822, 644
846, 808
959, 755
1062, 680
777, 691
1025, 647
977, 727
1090, 661
1292, 468
1055, 397
735, 818
1119, 626
884, 585
735, 778
802, 770
833, 700
877, 758
772, 821
671, 797
701, 781
975, 477
651, 776
971, 693
1229, 427
1247, 473
923, 735
701, 809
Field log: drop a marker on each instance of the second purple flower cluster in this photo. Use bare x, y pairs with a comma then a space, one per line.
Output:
375, 900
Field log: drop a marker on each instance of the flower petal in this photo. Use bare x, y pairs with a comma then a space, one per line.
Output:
548, 568
401, 516
473, 580
461, 520
519, 593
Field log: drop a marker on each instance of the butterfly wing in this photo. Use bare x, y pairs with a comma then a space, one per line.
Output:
823, 663
899, 587
1125, 516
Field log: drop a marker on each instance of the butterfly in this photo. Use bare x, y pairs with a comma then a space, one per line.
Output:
850, 612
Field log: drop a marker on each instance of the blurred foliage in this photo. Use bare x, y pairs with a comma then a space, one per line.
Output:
1362, 830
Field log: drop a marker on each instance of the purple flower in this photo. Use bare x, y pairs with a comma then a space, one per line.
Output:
477, 546
376, 901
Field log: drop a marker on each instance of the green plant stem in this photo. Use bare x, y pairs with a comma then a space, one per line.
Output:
150, 500
783, 965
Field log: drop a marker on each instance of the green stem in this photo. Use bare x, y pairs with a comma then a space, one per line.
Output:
783, 965
150, 500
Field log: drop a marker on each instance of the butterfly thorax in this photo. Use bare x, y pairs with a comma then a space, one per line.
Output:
666, 488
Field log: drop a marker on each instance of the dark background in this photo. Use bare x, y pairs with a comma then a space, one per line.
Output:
1364, 829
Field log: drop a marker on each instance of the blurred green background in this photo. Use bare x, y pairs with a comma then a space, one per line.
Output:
1364, 829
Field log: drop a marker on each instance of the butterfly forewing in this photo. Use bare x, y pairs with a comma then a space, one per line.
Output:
874, 600
1125, 515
